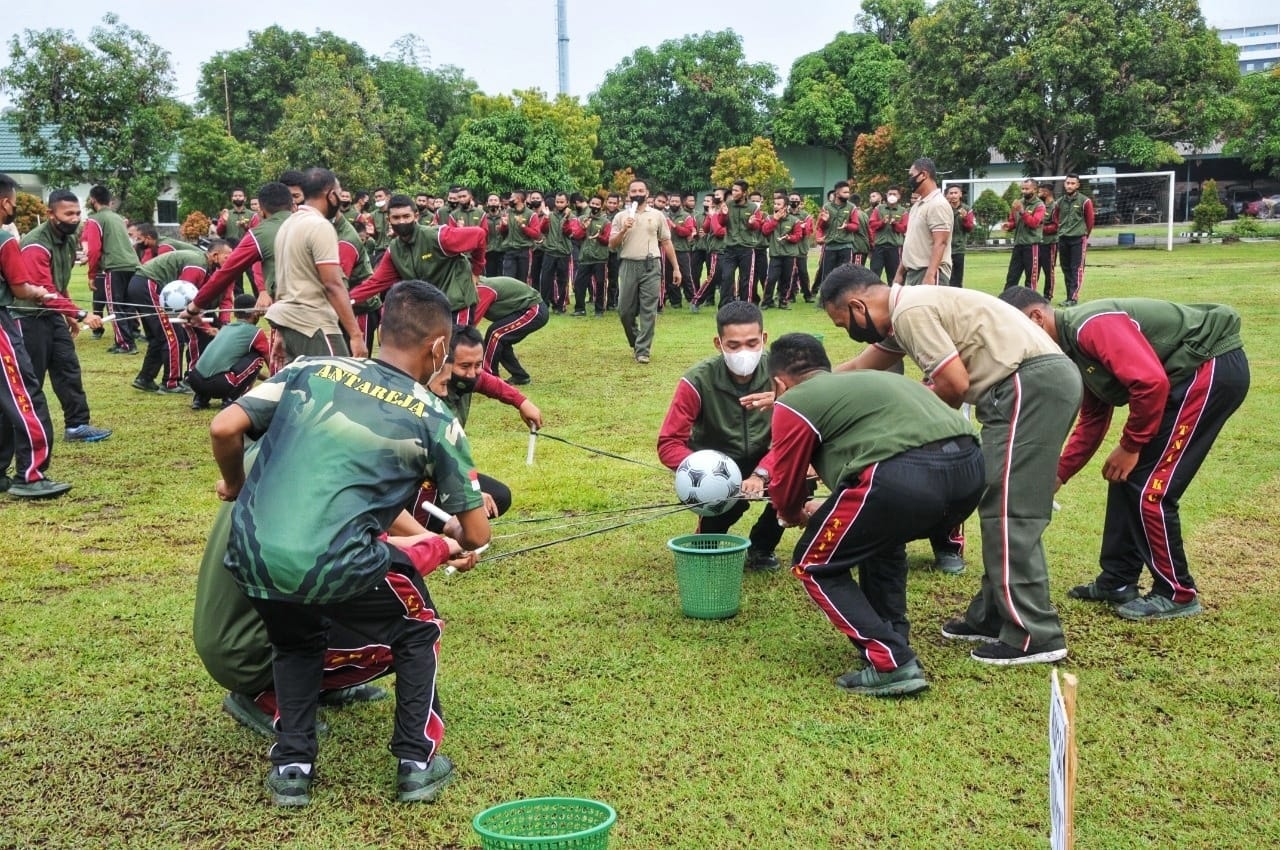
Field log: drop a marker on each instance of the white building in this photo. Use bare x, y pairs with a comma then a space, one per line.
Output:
1259, 45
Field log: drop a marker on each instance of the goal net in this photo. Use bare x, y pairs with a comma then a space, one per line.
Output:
1133, 209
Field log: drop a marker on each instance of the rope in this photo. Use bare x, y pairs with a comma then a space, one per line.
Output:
581, 536
551, 517
587, 521
603, 452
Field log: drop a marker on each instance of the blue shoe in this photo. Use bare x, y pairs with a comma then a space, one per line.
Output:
86, 434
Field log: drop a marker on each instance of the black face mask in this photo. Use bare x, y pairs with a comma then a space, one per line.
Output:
462, 385
453, 205
868, 334
916, 181
535, 204
237, 204
637, 199
66, 228
404, 229
423, 209
346, 205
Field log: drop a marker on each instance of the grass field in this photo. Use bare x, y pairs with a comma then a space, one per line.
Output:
571, 671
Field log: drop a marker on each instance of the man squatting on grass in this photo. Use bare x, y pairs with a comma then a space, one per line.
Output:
900, 465
723, 403
356, 438
1182, 371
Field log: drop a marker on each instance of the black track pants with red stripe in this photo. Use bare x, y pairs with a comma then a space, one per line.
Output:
1142, 523
1025, 419
397, 612
866, 526
26, 432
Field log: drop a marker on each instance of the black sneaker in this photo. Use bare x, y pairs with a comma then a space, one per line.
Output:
45, 488
199, 403
761, 561
350, 696
146, 386
5, 483
414, 785
961, 630
289, 786
582, 313
520, 380
176, 389
98, 334
1092, 593
1004, 655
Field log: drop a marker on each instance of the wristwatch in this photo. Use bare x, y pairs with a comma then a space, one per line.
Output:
761, 473
81, 316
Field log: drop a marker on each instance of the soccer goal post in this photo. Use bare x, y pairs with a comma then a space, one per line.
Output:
1144, 198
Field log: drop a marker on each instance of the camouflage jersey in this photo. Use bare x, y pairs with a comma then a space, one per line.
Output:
345, 445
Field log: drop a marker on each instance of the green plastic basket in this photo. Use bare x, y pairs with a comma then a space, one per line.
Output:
709, 574
546, 823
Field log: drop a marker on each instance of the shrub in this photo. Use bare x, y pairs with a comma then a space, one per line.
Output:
29, 212
1210, 210
195, 227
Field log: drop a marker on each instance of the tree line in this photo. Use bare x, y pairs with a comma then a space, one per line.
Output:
1059, 86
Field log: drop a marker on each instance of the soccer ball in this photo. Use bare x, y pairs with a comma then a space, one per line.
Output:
177, 294
708, 482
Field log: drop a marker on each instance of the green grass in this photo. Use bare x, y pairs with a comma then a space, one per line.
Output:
570, 670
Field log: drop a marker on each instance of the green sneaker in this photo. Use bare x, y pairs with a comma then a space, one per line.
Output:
1153, 607
289, 786
245, 711
414, 785
907, 679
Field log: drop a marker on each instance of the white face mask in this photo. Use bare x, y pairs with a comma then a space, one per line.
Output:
742, 363
442, 361
379, 204
893, 199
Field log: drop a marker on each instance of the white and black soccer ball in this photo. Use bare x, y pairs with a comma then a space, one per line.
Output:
708, 482
176, 295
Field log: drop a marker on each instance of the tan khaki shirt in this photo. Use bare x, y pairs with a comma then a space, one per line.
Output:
642, 241
933, 325
928, 216
305, 242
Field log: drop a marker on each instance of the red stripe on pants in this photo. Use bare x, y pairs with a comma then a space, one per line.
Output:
495, 338
1151, 505
1004, 509
415, 608
28, 421
835, 526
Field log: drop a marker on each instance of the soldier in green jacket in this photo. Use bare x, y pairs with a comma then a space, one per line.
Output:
1182, 371
723, 403
49, 252
556, 272
1026, 223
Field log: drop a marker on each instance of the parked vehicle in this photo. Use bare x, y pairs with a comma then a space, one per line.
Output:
1238, 199
1268, 207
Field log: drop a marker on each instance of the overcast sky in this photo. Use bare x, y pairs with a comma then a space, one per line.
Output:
501, 44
